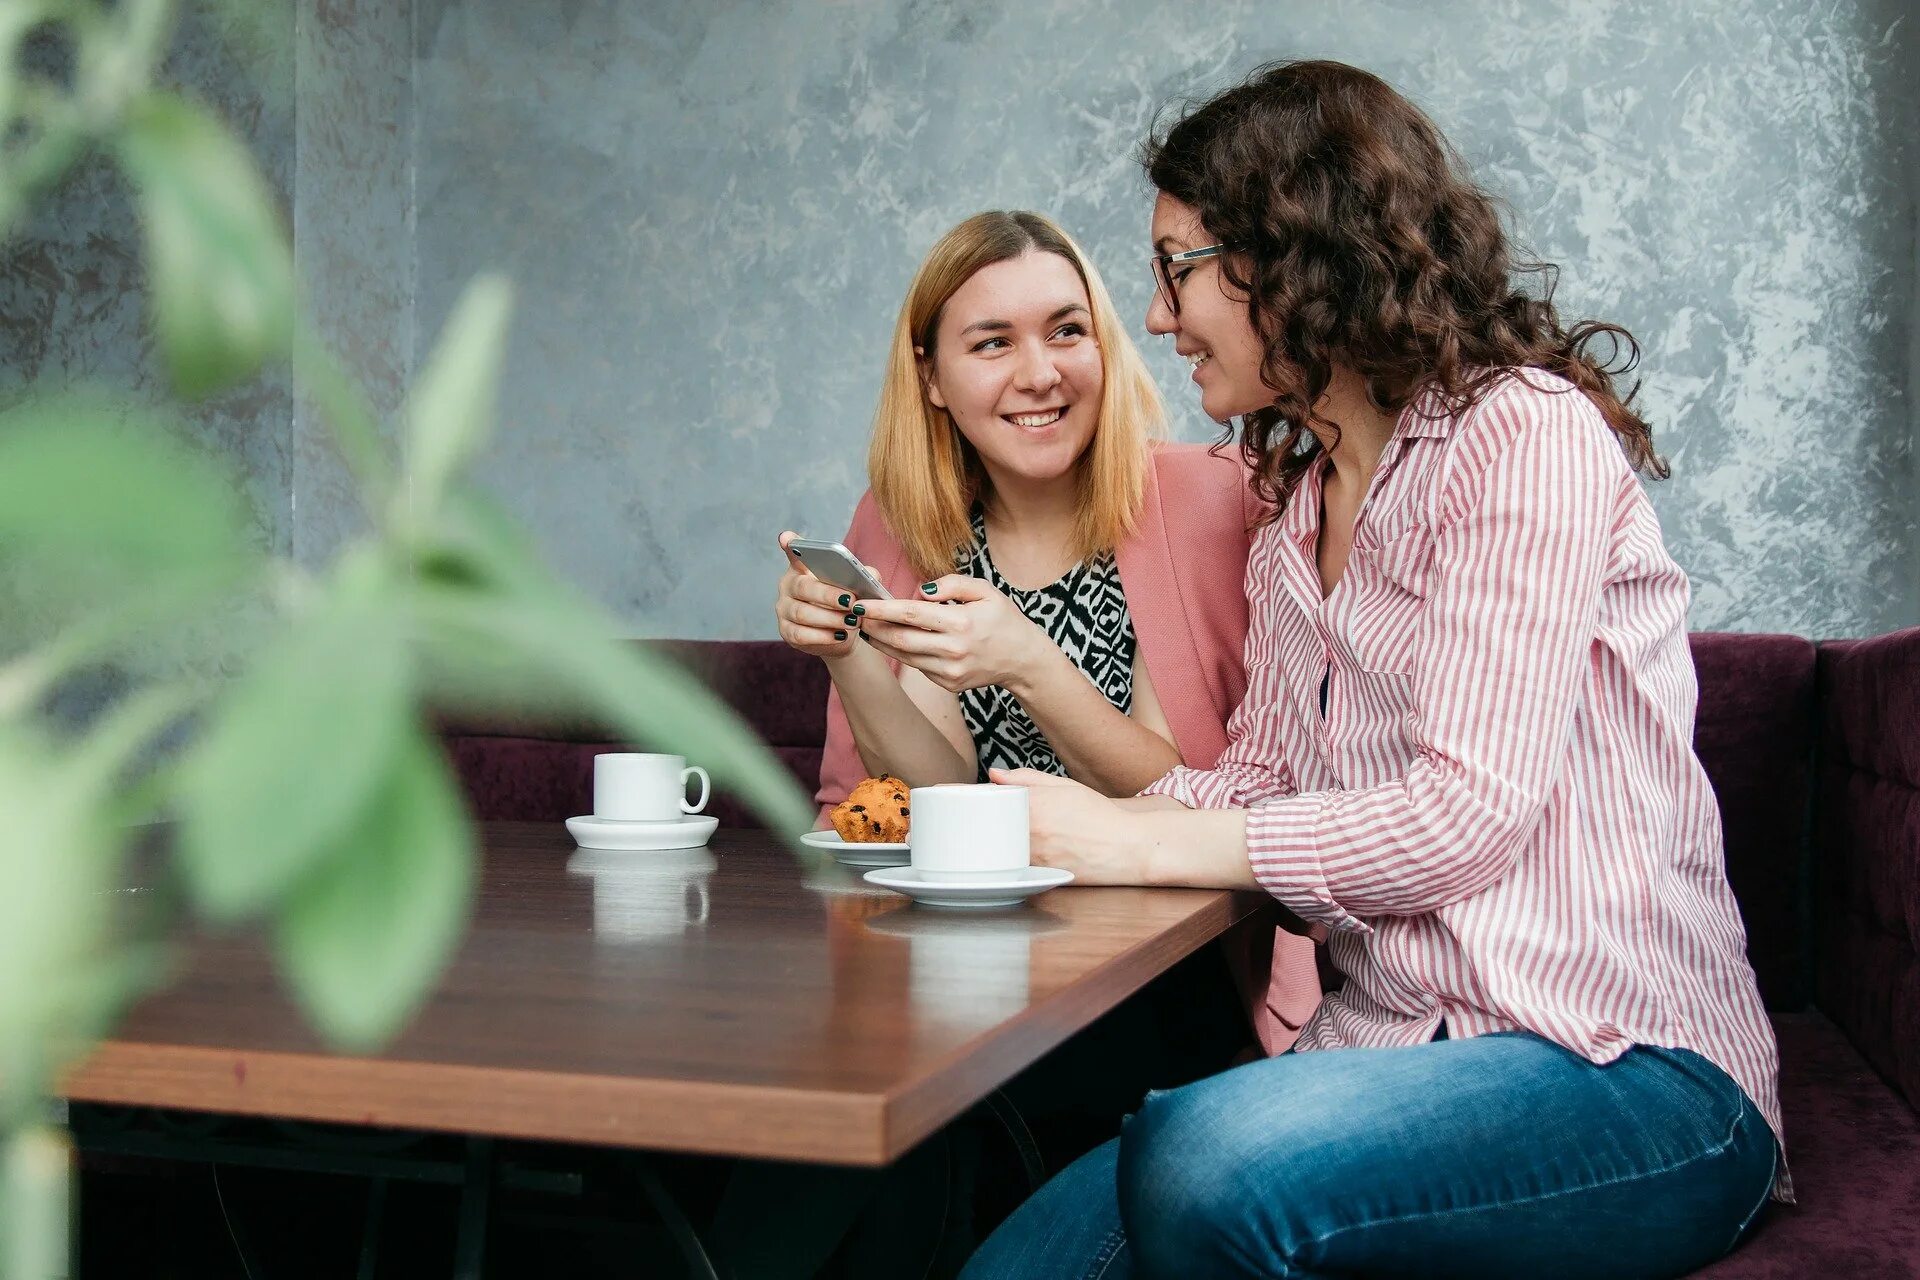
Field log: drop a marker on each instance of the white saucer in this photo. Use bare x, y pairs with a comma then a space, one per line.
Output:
689, 832
860, 854
1000, 891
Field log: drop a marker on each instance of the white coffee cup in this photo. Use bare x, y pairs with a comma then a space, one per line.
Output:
636, 786
968, 831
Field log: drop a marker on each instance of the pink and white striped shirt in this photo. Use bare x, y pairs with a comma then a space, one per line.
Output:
1499, 818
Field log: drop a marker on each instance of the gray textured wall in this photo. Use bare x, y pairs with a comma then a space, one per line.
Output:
72, 281
711, 211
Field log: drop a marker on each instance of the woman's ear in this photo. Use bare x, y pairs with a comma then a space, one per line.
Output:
929, 383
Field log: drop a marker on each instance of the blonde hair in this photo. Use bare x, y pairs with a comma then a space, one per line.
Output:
925, 476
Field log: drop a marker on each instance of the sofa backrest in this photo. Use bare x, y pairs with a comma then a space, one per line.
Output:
540, 769
1867, 865
1753, 734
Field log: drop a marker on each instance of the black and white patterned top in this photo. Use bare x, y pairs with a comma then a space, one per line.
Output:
1085, 614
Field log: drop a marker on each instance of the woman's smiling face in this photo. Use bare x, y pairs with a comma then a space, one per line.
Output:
1212, 330
1016, 367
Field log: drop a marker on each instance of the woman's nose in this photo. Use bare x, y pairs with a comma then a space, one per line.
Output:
1036, 371
1160, 317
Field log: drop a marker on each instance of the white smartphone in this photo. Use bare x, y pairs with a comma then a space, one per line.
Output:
832, 562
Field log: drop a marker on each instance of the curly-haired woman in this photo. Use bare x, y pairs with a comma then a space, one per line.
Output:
1465, 751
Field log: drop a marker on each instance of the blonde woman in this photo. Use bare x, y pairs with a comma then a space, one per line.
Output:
1068, 585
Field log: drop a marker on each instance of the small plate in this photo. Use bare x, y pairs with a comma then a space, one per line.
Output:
857, 854
1001, 891
604, 833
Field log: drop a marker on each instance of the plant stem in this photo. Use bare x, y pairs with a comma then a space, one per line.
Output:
36, 1204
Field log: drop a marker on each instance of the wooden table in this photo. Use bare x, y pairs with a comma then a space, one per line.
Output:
745, 1000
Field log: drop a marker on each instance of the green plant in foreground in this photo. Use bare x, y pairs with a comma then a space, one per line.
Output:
294, 766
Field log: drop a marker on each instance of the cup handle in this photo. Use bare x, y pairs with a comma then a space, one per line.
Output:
706, 788
705, 903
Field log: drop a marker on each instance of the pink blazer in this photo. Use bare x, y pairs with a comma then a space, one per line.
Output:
1183, 572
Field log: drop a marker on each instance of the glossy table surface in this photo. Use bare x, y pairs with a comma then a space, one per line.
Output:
749, 999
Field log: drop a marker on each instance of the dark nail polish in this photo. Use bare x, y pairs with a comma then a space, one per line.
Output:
852, 620
866, 637
845, 601
860, 609
929, 587
839, 635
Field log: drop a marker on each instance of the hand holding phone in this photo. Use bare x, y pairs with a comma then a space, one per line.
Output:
817, 613
832, 563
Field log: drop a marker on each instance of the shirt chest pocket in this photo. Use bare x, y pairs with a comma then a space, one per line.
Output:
1389, 599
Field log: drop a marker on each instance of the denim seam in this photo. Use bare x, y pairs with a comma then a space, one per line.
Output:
1766, 1188
1104, 1256
1549, 1195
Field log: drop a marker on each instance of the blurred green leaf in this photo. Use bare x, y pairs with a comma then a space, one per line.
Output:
219, 267
260, 37
299, 744
451, 410
88, 488
363, 938
563, 652
318, 377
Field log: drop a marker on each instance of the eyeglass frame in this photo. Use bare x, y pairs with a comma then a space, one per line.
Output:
1163, 282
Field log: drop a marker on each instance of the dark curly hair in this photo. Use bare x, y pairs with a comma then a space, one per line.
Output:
1359, 238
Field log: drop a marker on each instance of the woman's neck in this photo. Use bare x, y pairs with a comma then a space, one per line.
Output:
1364, 428
1037, 512
1031, 526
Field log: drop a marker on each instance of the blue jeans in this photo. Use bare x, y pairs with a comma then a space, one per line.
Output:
1500, 1155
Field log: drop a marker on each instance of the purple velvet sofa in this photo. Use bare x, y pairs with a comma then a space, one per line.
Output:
1814, 752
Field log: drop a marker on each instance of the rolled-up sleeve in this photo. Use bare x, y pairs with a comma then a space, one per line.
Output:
1501, 654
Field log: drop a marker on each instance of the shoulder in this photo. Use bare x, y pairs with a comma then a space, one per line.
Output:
1199, 468
1529, 403
1538, 420
1206, 484
1536, 432
873, 543
868, 529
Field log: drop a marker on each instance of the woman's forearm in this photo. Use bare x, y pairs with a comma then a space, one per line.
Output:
891, 734
1195, 848
1099, 744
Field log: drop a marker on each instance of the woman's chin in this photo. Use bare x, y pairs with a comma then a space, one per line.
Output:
1222, 406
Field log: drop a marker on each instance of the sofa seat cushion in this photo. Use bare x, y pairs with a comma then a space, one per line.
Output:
1854, 1145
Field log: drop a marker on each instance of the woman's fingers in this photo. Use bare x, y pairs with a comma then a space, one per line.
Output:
908, 639
922, 615
786, 538
955, 586
801, 614
1029, 778
824, 594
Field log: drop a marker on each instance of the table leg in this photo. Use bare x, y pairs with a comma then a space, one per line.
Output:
470, 1248
692, 1252
370, 1234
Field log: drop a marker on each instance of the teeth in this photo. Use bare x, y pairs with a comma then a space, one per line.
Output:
1035, 419
1197, 360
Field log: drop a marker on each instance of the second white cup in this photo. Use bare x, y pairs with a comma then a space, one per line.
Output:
637, 786
968, 831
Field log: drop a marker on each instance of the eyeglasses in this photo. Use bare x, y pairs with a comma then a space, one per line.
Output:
1164, 265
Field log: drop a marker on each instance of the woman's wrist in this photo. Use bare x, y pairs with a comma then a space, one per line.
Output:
857, 663
1039, 664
